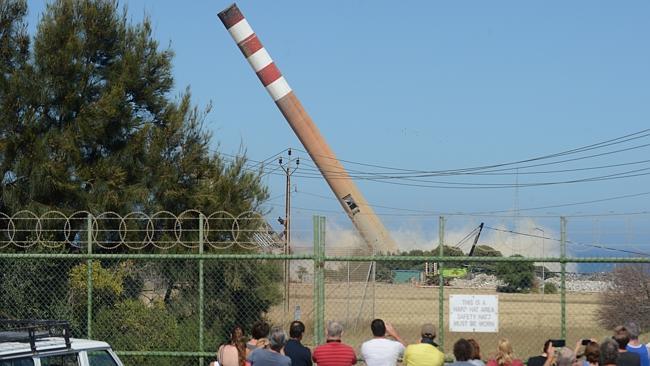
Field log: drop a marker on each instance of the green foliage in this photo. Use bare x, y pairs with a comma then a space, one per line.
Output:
94, 127
485, 251
88, 123
36, 289
385, 268
516, 276
105, 280
132, 328
550, 288
238, 293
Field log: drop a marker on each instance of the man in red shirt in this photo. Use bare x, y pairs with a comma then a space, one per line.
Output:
334, 353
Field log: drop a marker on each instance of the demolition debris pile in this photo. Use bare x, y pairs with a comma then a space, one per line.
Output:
575, 282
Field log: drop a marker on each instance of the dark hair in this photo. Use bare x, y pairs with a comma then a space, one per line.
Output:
608, 352
237, 340
546, 344
462, 350
633, 330
592, 352
378, 328
296, 329
621, 336
476, 349
260, 330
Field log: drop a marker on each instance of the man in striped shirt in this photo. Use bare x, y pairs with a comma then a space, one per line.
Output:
334, 353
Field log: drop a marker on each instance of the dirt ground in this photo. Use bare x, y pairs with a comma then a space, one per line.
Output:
527, 320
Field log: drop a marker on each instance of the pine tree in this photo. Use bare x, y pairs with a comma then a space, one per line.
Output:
88, 123
14, 52
100, 131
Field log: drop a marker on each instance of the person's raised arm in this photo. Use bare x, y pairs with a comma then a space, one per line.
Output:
393, 333
550, 355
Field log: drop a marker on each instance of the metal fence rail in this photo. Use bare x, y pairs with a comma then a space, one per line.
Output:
158, 303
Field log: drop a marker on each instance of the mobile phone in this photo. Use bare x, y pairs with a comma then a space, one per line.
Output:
586, 342
558, 342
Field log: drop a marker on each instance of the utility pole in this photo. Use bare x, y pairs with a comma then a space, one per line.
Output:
289, 167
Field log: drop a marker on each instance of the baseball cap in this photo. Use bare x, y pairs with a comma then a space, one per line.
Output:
428, 330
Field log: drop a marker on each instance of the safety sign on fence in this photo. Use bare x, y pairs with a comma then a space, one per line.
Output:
474, 313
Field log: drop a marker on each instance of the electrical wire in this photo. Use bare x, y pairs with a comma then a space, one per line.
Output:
597, 246
610, 142
334, 174
492, 213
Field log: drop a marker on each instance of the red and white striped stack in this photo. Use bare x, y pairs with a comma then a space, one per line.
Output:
255, 53
352, 201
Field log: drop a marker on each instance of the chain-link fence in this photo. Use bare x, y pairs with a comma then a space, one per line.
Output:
166, 289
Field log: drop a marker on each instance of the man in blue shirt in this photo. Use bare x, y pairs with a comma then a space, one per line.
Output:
635, 346
272, 356
299, 354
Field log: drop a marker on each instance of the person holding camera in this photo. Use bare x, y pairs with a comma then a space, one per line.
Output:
592, 354
381, 350
541, 359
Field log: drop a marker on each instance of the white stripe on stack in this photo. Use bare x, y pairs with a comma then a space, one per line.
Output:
240, 31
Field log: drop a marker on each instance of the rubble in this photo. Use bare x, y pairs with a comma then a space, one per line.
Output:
574, 282
480, 280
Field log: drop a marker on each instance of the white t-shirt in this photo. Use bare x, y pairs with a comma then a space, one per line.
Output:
381, 352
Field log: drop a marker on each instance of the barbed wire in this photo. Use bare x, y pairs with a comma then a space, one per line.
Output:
136, 230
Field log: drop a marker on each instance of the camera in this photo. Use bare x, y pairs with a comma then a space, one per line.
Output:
558, 343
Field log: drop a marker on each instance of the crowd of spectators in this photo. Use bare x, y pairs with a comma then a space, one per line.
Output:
270, 346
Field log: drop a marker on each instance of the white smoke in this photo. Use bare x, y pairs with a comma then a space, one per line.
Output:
524, 237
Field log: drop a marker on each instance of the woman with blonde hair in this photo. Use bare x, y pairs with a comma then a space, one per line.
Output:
504, 356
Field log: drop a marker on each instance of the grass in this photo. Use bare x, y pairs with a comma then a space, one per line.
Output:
527, 320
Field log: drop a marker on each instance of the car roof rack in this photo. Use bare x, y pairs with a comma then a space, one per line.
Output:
29, 330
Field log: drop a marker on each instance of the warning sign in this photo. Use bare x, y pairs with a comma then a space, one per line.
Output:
474, 313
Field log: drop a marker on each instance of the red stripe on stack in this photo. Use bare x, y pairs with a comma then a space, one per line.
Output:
250, 45
269, 74
231, 16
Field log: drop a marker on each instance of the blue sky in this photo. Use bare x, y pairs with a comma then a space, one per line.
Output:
432, 86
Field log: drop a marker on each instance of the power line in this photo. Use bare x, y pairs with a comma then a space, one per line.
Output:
597, 246
366, 175
425, 213
481, 170
610, 142
311, 173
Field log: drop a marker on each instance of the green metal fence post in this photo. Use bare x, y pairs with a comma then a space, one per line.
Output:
201, 284
89, 278
563, 276
441, 283
319, 278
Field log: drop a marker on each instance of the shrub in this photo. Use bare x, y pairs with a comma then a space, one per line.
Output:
550, 288
516, 276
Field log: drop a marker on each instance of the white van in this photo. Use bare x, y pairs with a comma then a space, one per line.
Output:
47, 343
